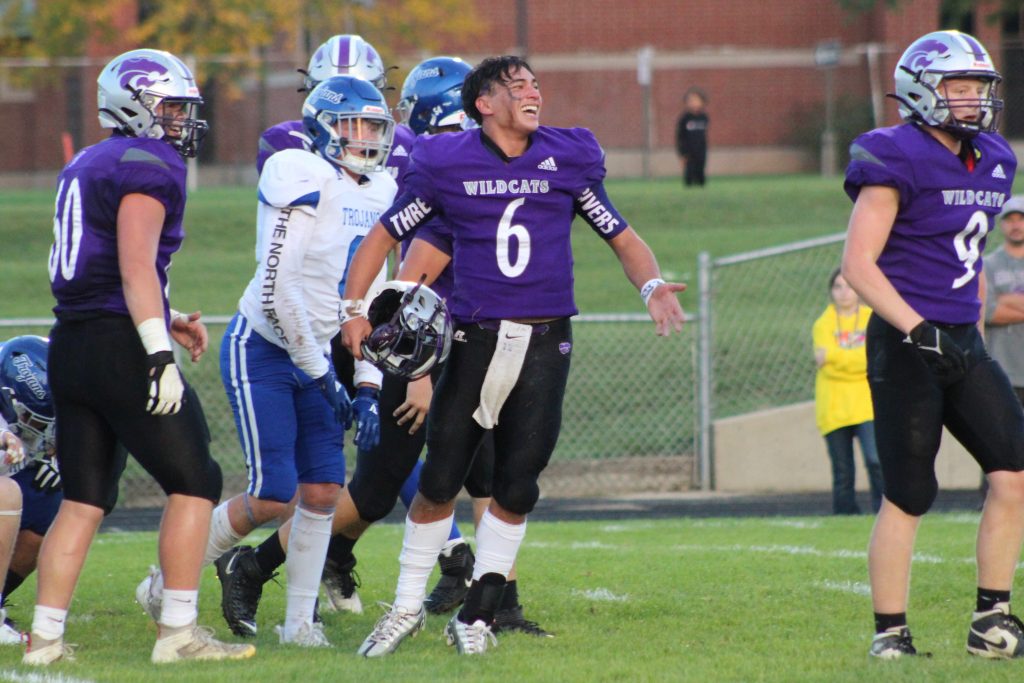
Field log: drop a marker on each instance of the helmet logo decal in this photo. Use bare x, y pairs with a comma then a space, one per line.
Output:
926, 53
25, 375
430, 72
140, 73
332, 96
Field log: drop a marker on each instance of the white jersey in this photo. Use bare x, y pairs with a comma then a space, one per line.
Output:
310, 219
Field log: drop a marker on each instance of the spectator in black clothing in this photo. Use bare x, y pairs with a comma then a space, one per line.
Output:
692, 136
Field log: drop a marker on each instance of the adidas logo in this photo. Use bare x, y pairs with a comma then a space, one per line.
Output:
399, 151
998, 172
550, 165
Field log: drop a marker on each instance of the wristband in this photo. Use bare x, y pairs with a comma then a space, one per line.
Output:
354, 308
648, 289
153, 333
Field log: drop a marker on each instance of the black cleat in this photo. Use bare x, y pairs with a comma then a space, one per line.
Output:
893, 644
996, 634
340, 582
456, 578
241, 581
512, 619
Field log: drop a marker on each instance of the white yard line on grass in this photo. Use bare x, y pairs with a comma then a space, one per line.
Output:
22, 677
599, 595
923, 558
855, 587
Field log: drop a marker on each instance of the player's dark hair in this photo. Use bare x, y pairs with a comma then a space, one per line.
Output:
832, 279
482, 78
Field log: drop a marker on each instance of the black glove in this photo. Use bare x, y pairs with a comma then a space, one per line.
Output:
165, 385
338, 400
47, 477
940, 353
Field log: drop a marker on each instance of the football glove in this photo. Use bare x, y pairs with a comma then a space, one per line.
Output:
47, 478
944, 358
337, 400
367, 411
165, 384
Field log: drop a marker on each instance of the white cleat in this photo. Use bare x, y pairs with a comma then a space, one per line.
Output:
196, 643
8, 634
42, 652
469, 639
150, 601
308, 635
395, 626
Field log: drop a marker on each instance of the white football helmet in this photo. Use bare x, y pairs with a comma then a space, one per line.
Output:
134, 84
412, 330
939, 56
345, 55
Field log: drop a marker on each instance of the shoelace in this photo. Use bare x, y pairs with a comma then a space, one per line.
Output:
477, 635
388, 625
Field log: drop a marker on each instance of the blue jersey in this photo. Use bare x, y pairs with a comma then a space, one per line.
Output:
285, 135
84, 270
933, 254
510, 218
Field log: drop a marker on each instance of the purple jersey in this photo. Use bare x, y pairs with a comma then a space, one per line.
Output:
285, 135
401, 148
510, 218
438, 235
933, 254
84, 270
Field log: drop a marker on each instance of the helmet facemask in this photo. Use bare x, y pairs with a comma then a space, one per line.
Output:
941, 110
412, 330
359, 143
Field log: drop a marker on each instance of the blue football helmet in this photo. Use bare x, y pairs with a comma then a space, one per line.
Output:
432, 95
412, 330
348, 121
934, 58
25, 393
345, 55
133, 85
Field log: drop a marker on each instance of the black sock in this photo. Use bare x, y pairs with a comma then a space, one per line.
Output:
884, 622
483, 599
987, 598
11, 584
510, 598
269, 554
340, 549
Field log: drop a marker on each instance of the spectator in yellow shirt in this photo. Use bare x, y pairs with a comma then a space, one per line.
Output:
842, 396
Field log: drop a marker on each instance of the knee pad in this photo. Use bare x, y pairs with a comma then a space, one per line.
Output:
914, 499
371, 506
518, 497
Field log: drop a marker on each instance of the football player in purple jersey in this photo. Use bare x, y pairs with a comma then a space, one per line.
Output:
510, 203
118, 221
925, 195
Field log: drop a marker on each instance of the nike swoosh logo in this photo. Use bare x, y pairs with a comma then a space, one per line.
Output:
509, 336
469, 582
230, 568
1000, 644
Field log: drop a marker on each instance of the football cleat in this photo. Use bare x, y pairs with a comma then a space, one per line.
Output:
308, 635
9, 635
512, 619
996, 634
150, 601
469, 639
195, 643
892, 644
340, 582
241, 581
41, 652
456, 578
395, 626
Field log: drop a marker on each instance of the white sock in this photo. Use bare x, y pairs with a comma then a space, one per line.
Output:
48, 622
307, 550
179, 608
420, 548
497, 544
223, 536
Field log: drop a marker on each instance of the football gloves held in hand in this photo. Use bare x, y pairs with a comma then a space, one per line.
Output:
367, 411
940, 353
165, 384
47, 477
337, 400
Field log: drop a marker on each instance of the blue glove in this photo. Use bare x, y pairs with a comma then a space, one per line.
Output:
337, 400
367, 410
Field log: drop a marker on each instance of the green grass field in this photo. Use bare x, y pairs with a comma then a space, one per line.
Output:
768, 599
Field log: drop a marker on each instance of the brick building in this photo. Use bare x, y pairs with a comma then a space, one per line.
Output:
755, 60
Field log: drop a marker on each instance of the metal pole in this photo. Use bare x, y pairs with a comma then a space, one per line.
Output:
828, 136
705, 450
523, 28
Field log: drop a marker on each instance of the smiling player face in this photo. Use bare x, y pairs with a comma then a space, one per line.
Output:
514, 106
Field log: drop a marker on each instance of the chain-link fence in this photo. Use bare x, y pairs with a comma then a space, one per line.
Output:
628, 423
